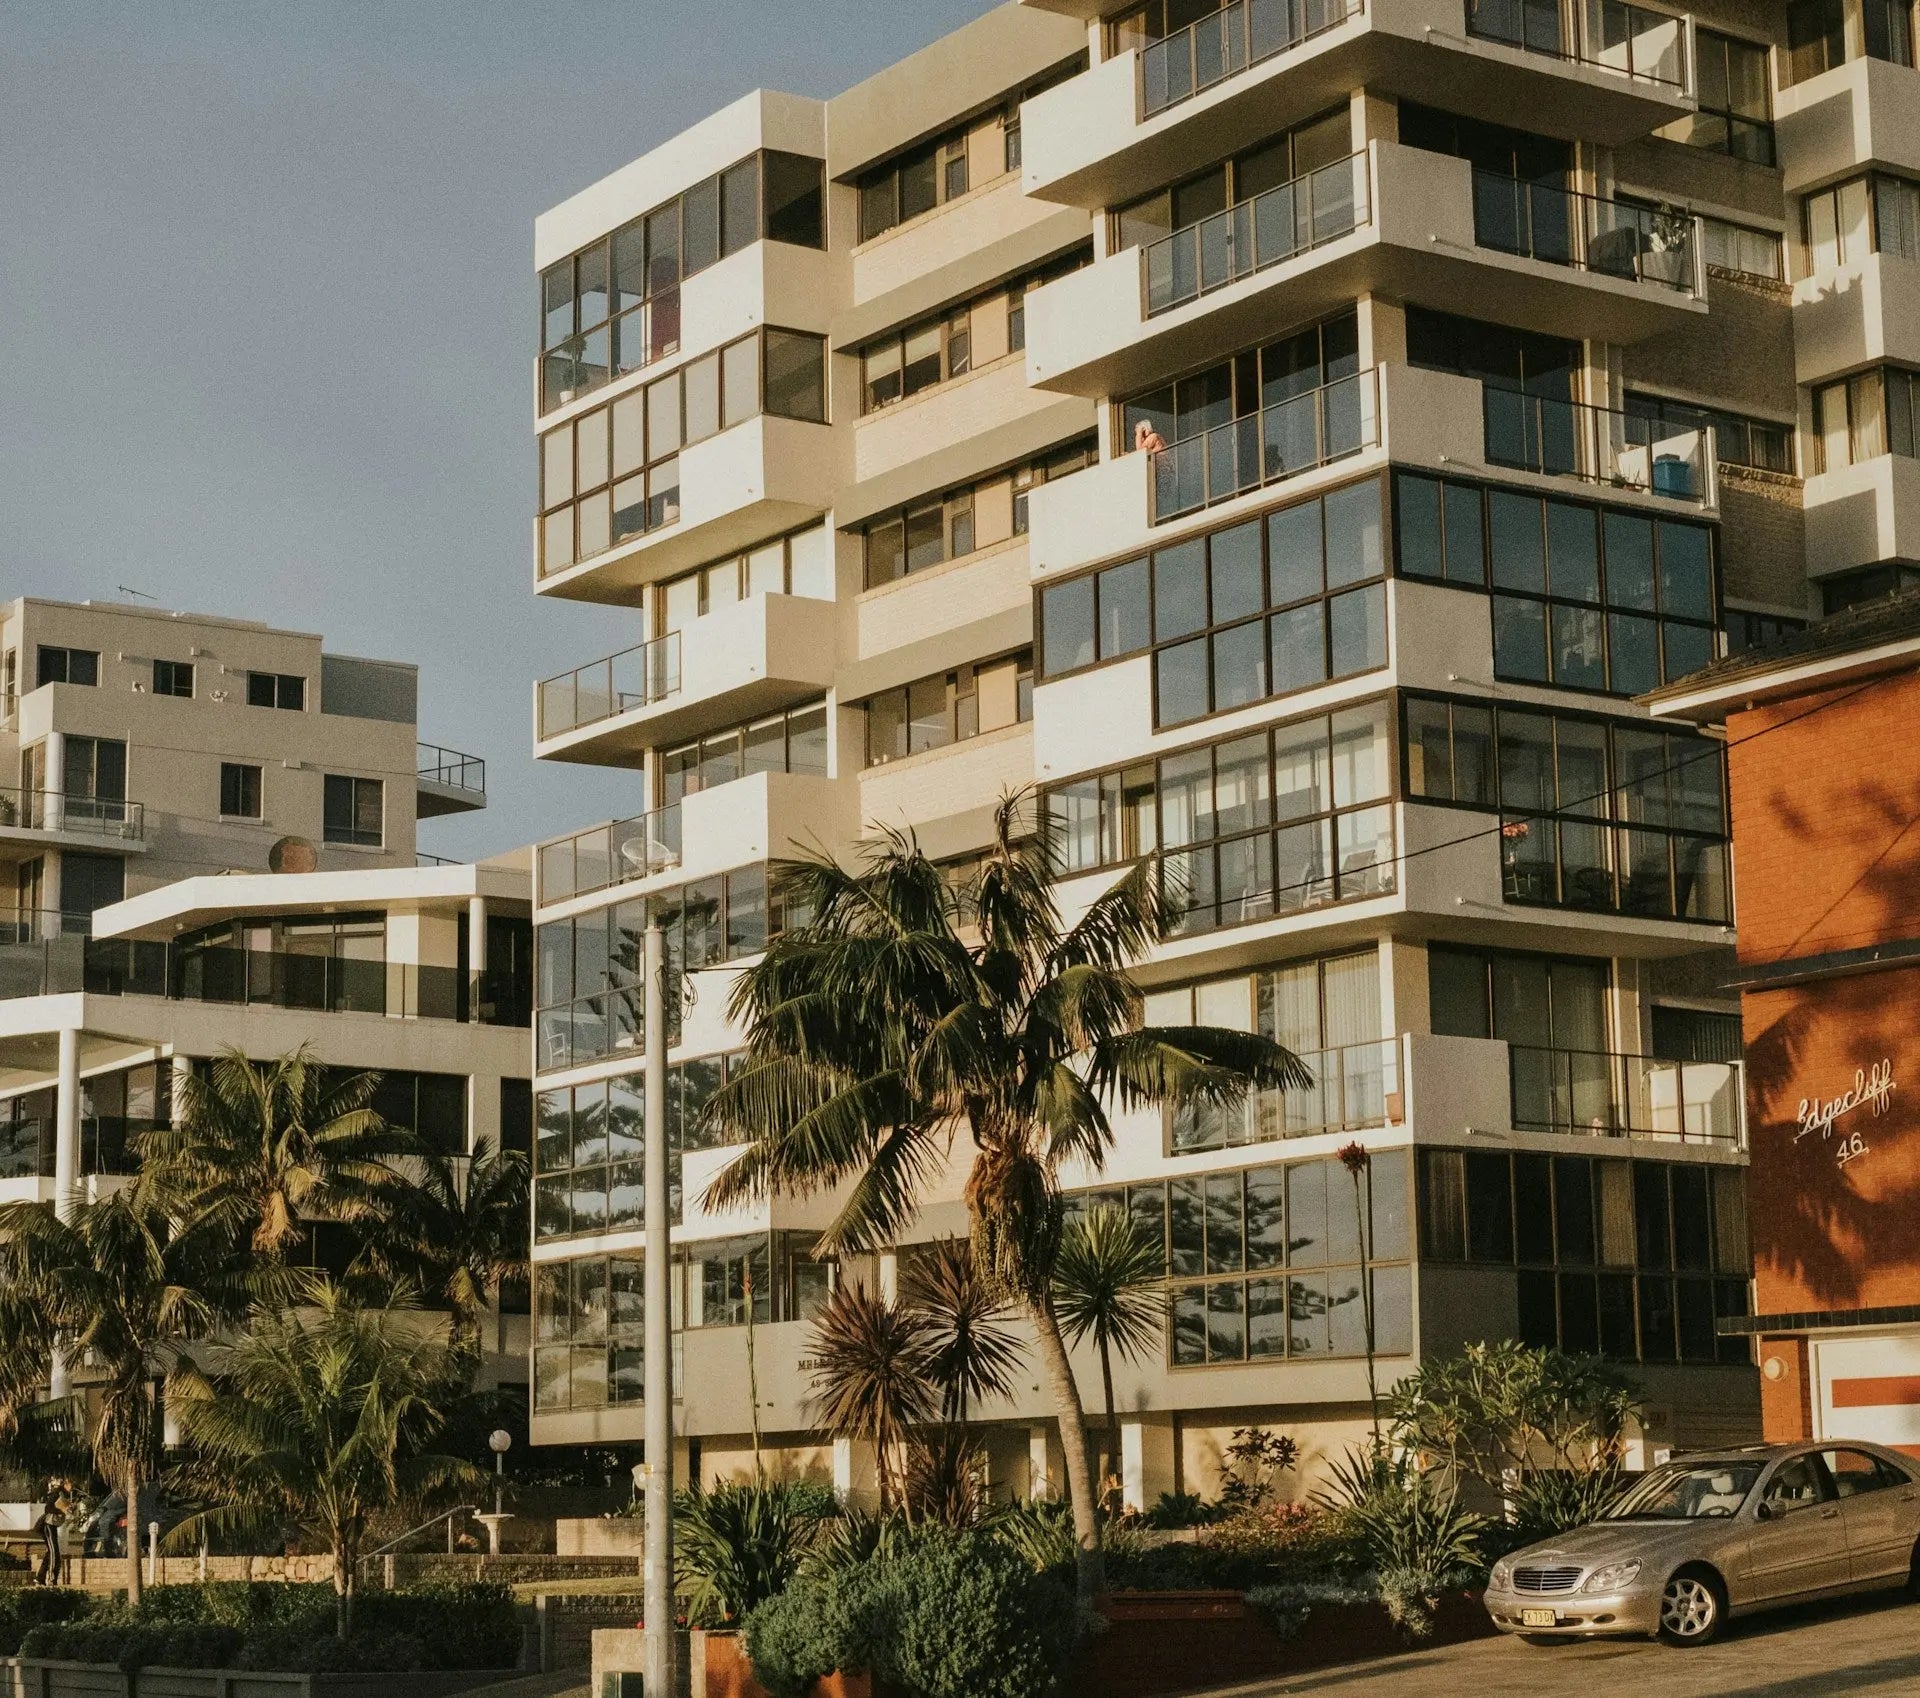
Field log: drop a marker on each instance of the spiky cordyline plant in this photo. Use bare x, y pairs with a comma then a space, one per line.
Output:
258, 1146
972, 1352
1108, 1284
869, 1358
887, 1038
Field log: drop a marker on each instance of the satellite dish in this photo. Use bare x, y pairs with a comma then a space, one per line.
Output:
292, 855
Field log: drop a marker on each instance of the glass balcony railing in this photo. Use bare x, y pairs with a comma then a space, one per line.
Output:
1280, 441
73, 962
1319, 207
1645, 45
1356, 1086
1559, 438
1241, 34
46, 810
1610, 238
1611, 1095
606, 855
633, 678
452, 768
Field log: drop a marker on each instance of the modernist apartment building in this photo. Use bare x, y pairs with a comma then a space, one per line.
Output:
212, 844
1819, 737
1230, 423
152, 746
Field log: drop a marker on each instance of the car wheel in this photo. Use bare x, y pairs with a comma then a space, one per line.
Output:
1692, 1608
1913, 1574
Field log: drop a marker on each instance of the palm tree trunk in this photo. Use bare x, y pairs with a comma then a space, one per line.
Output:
1071, 1415
132, 1484
343, 1568
1110, 1460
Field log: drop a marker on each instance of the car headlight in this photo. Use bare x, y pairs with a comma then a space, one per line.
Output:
1502, 1575
1612, 1577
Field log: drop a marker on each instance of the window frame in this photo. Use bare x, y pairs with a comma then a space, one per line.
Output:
250, 780
356, 833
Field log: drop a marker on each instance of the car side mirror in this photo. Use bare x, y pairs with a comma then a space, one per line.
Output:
1763, 1511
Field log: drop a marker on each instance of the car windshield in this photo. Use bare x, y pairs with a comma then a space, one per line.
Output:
1687, 1491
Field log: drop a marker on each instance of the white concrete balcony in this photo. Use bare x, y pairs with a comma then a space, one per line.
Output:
947, 796
726, 493
1396, 221
1862, 514
32, 821
1143, 117
1865, 112
758, 655
1863, 314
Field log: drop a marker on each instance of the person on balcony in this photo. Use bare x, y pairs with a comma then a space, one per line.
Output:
1147, 440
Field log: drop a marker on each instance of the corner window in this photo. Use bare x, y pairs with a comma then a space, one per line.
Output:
239, 790
1861, 417
277, 690
948, 708
1736, 110
68, 666
355, 811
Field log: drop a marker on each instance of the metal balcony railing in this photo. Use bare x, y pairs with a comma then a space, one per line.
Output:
1318, 207
452, 768
1559, 438
1355, 1086
1222, 44
1611, 1095
1610, 238
47, 810
606, 855
633, 678
1280, 441
1648, 46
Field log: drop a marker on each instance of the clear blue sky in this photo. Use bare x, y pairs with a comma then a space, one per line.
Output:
267, 312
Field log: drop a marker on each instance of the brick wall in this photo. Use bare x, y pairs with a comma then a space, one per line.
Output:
1763, 540
1825, 803
1739, 355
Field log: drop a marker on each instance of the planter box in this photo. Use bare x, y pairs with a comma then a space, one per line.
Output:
33, 1677
1161, 1642
720, 1670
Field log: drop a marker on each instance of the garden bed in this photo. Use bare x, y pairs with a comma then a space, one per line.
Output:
1162, 1642
37, 1677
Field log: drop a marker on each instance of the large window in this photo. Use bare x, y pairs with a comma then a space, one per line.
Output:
939, 528
1816, 38
1630, 1259
589, 1331
587, 977
614, 306
1740, 247
355, 811
277, 690
800, 564
1269, 1262
935, 172
1736, 107
1260, 609
590, 1149
1738, 438
1890, 30
1600, 814
794, 741
1876, 213
67, 666
949, 707
1279, 821
1327, 1011
614, 473
1584, 597
95, 782
1871, 413
960, 339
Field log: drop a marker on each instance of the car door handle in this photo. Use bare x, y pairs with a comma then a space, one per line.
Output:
1829, 1515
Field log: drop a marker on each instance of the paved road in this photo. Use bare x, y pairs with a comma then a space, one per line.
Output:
1866, 1648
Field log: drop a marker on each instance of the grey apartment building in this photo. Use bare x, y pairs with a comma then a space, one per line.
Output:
1290, 436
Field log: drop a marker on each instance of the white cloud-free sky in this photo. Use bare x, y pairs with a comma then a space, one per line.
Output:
267, 313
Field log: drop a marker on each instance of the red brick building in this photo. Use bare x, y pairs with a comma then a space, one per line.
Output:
1823, 737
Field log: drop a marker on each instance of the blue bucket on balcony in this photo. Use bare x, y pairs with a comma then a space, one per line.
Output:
1673, 476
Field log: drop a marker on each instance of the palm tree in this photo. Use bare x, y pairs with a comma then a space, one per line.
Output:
1108, 1285
869, 1357
886, 1032
122, 1284
456, 1236
259, 1146
971, 1351
326, 1416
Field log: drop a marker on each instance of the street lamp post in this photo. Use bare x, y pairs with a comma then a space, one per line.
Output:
657, 1363
499, 1441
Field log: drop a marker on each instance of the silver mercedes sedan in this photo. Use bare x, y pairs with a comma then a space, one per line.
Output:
1710, 1536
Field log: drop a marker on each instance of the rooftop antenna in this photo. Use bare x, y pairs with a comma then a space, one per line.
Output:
138, 595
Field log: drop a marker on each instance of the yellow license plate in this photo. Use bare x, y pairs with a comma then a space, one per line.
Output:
1538, 1618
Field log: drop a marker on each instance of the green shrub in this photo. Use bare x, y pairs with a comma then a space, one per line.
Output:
1287, 1609
129, 1645
460, 1625
24, 1608
948, 1615
738, 1545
